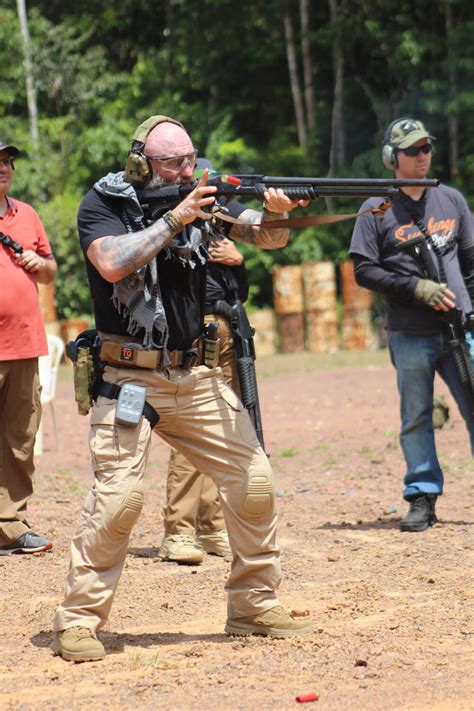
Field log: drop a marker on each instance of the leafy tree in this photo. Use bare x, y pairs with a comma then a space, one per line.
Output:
72, 292
101, 68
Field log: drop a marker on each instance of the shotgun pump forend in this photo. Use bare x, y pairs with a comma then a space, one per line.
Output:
155, 201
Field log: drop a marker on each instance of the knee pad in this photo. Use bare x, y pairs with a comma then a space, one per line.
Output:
128, 512
258, 496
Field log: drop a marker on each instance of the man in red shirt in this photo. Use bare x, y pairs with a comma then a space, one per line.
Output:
25, 261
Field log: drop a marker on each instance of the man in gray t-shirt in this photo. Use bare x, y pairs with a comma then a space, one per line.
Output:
415, 304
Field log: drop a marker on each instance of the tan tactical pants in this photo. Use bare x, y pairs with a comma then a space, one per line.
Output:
20, 414
192, 502
201, 417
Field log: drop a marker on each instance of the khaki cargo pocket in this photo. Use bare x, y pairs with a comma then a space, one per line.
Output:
103, 437
111, 443
242, 419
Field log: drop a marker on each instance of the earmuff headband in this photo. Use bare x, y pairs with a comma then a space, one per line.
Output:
137, 168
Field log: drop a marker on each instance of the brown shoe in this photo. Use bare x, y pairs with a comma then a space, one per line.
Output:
276, 622
78, 644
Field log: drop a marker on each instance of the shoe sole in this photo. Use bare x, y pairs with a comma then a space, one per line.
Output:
418, 529
245, 630
40, 549
76, 656
220, 554
181, 561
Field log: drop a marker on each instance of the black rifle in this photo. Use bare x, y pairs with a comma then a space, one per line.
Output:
9, 242
245, 355
155, 201
457, 345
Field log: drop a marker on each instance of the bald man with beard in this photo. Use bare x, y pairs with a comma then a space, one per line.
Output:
147, 281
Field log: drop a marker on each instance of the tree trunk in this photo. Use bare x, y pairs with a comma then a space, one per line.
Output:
30, 87
338, 153
307, 67
294, 81
453, 126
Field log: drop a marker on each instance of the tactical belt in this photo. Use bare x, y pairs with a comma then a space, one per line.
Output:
112, 392
125, 355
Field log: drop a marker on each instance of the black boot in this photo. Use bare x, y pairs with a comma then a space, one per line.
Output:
421, 513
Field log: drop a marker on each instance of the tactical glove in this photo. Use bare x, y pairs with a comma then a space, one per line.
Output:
430, 292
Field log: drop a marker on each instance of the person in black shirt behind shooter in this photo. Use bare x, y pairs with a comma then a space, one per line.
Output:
147, 288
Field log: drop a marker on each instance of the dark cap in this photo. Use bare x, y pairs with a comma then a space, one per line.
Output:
11, 150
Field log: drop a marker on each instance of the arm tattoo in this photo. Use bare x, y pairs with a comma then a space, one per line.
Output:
124, 254
266, 239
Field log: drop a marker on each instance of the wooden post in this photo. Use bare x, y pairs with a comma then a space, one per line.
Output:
357, 302
319, 283
47, 302
288, 300
262, 321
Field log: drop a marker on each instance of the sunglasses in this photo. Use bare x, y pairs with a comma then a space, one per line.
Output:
413, 151
176, 163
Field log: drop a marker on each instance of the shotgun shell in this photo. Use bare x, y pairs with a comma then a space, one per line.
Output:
307, 697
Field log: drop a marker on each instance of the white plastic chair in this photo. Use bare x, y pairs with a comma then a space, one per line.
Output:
48, 373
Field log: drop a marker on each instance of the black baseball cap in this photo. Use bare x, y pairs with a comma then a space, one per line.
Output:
13, 151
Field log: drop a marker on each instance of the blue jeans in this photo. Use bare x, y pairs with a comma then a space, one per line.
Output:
416, 360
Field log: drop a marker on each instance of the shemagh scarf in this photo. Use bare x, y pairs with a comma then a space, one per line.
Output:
138, 296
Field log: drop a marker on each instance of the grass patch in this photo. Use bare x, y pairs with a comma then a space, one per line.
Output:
139, 660
69, 484
288, 452
321, 447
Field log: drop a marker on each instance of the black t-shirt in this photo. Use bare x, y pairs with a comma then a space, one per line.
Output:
221, 282
182, 284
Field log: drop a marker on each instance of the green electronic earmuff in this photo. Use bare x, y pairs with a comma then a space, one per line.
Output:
389, 152
137, 168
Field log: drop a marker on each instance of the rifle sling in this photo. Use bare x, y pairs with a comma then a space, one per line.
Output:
307, 220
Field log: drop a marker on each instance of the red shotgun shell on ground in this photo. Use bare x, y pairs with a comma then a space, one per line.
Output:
307, 697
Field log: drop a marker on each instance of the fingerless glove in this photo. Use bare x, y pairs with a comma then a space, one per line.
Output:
430, 292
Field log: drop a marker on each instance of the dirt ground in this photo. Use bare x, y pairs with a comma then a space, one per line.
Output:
393, 610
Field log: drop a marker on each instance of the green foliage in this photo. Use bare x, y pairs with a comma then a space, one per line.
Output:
12, 94
72, 291
101, 68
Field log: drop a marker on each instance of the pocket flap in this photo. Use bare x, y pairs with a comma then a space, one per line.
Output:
103, 412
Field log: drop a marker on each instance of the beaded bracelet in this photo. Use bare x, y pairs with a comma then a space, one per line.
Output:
173, 222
